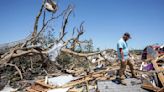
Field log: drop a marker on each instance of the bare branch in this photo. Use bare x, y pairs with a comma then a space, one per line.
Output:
51, 19
76, 39
17, 70
78, 54
65, 21
44, 17
37, 20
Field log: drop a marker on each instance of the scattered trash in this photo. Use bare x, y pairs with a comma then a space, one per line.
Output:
146, 67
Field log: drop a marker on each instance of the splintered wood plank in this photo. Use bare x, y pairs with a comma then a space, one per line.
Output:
161, 90
157, 69
77, 82
39, 88
29, 89
41, 82
149, 87
91, 76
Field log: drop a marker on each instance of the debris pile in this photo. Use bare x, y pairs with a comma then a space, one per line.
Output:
78, 79
153, 62
78, 83
87, 82
28, 66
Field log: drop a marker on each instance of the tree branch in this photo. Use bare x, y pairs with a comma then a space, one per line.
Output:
65, 21
37, 19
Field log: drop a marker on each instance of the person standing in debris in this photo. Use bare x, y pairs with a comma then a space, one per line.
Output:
123, 56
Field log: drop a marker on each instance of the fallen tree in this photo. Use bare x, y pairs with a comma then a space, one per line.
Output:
33, 45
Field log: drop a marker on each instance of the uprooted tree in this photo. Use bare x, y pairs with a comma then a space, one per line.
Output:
21, 55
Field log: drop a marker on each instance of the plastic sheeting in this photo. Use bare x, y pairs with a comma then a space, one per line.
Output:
146, 67
55, 51
61, 80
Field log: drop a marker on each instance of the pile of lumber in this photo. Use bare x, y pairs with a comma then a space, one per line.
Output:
41, 86
158, 74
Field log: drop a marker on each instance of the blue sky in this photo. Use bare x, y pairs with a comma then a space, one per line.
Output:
105, 20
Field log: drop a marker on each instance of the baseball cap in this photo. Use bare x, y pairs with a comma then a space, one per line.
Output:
127, 34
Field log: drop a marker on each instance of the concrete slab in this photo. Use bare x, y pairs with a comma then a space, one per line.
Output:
133, 85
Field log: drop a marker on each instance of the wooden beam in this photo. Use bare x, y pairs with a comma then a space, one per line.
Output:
160, 74
149, 87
